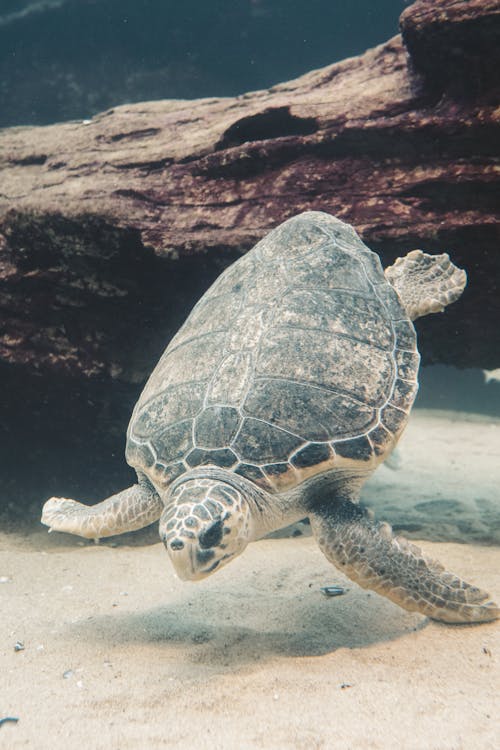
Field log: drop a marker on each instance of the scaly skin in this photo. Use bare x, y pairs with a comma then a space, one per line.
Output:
367, 552
426, 283
129, 510
206, 523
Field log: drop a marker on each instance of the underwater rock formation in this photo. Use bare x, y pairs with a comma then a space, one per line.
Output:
454, 45
111, 228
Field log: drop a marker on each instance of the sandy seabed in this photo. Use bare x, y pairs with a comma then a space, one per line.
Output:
117, 653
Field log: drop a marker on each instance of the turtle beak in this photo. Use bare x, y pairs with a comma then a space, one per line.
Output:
188, 560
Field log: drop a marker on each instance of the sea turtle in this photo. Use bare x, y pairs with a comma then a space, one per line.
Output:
289, 383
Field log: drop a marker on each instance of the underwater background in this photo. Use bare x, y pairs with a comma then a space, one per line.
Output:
65, 59
118, 208
71, 59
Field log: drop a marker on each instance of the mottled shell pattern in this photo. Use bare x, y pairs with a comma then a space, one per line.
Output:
298, 360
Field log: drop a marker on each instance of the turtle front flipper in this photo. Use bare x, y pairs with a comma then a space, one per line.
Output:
369, 553
129, 510
426, 283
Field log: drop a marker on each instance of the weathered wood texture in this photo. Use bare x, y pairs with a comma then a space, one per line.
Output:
93, 215
455, 45
110, 229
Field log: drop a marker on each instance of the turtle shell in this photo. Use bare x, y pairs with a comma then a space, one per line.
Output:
299, 359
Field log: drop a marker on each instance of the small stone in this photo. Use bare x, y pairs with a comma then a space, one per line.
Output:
333, 590
5, 719
18, 646
68, 674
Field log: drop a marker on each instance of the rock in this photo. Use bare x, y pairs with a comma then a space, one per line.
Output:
454, 45
110, 229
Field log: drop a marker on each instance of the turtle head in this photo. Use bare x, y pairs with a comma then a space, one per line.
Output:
206, 523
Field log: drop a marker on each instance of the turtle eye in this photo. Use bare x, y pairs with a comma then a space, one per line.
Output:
212, 535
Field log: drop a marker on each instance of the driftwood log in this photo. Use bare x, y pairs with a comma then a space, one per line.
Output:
111, 228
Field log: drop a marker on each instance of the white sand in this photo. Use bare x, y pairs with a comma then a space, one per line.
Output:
120, 654
448, 483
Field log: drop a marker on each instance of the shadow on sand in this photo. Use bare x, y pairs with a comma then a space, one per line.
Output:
234, 628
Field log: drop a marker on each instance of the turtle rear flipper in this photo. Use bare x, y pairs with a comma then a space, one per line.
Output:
426, 283
129, 510
367, 552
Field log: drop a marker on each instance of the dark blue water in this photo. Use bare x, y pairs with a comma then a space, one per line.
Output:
64, 59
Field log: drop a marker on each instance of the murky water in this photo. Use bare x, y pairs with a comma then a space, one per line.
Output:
473, 391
